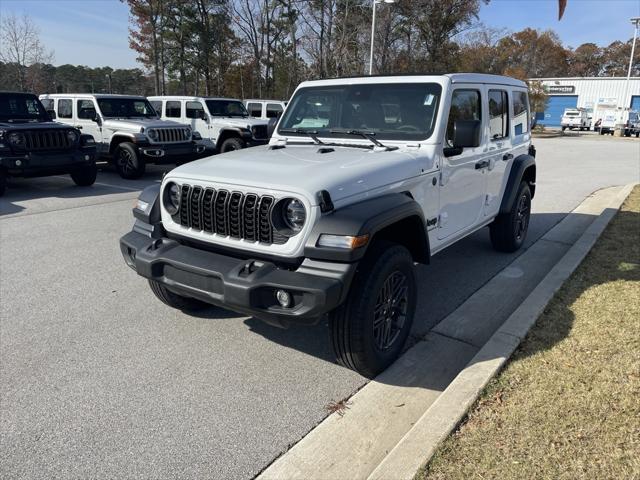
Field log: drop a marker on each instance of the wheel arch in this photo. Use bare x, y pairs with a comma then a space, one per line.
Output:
523, 169
227, 133
117, 139
393, 217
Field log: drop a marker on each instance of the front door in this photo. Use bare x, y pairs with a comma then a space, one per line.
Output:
85, 116
197, 119
463, 179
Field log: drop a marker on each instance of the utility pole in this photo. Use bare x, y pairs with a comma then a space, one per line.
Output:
636, 22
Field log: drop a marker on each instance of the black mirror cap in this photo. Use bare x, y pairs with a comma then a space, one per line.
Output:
466, 133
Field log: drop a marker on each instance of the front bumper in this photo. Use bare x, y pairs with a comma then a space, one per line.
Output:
169, 153
246, 286
31, 164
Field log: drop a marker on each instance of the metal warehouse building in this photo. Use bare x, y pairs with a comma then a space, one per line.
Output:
586, 92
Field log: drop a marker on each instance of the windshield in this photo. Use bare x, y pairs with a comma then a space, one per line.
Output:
126, 108
390, 111
20, 108
226, 108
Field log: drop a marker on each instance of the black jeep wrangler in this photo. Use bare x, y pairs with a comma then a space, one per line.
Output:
32, 145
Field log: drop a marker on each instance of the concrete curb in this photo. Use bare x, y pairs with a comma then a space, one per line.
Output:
419, 444
395, 422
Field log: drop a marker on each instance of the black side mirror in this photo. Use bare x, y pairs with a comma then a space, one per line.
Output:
96, 118
52, 114
466, 133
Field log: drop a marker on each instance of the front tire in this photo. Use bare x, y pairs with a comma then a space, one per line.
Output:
174, 300
231, 144
128, 162
86, 176
369, 330
509, 230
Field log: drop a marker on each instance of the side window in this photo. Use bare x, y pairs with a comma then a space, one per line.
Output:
157, 106
273, 110
498, 114
465, 105
255, 109
86, 109
195, 110
47, 103
172, 109
520, 113
65, 108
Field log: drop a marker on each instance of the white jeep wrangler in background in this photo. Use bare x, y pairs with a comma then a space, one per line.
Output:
223, 123
126, 130
363, 178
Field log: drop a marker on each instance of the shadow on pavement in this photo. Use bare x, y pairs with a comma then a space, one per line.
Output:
452, 277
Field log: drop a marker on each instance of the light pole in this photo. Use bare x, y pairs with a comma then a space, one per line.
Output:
636, 22
108, 75
373, 30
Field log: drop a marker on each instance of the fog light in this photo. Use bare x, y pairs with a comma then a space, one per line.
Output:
18, 163
284, 298
87, 157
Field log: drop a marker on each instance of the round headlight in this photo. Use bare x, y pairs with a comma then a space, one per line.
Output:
72, 136
152, 134
172, 198
294, 214
16, 139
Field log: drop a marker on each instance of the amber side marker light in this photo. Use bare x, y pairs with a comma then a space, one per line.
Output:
347, 242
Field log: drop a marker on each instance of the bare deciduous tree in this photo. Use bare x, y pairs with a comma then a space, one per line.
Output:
20, 47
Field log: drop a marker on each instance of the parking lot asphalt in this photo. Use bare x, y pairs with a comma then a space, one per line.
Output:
99, 379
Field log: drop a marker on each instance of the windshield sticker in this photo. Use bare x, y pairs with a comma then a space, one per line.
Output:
428, 100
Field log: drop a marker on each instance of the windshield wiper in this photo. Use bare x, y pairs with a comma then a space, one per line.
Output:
368, 135
310, 133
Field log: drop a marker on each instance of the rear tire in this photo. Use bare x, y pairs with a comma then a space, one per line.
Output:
231, 144
86, 176
174, 300
128, 162
509, 230
369, 330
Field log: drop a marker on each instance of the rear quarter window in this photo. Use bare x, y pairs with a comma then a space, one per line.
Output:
521, 120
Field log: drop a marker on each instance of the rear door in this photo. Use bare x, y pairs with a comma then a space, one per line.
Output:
499, 146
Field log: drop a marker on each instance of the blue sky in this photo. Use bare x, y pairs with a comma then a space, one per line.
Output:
95, 32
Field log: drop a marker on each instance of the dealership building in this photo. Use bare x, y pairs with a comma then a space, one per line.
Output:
587, 92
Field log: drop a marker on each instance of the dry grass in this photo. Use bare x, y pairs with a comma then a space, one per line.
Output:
567, 406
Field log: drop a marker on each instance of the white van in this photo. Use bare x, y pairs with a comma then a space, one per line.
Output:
265, 109
224, 123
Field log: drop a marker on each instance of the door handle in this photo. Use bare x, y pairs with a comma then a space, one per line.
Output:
507, 156
482, 164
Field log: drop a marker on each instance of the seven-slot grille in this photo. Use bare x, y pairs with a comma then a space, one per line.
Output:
47, 140
172, 135
238, 215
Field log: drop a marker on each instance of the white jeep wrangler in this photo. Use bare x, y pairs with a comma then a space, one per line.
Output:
126, 129
223, 123
363, 178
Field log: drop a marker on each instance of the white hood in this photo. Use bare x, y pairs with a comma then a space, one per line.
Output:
343, 172
242, 122
136, 124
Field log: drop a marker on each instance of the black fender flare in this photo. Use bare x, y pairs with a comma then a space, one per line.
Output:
243, 133
150, 196
521, 164
370, 217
